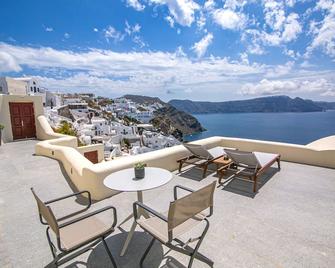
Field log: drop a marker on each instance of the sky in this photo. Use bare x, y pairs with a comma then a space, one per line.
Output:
209, 50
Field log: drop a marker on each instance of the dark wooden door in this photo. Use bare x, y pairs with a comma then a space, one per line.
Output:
92, 156
23, 120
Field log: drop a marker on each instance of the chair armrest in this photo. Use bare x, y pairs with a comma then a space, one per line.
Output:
180, 187
72, 195
148, 209
92, 214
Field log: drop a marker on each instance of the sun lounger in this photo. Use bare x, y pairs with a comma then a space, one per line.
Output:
200, 156
250, 165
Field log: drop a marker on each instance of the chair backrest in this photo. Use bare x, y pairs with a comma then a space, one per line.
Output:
242, 158
198, 150
190, 205
46, 213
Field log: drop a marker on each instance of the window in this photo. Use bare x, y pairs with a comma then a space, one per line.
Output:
38, 89
34, 83
31, 88
34, 89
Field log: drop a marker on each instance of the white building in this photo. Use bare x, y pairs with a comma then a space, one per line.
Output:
33, 87
11, 86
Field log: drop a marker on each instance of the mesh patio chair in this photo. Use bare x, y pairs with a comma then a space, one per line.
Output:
200, 156
74, 236
250, 165
184, 214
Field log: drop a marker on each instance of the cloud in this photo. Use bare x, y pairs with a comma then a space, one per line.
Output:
200, 47
229, 19
275, 87
95, 30
132, 29
48, 29
170, 20
106, 71
111, 33
67, 35
136, 4
182, 11
324, 31
8, 63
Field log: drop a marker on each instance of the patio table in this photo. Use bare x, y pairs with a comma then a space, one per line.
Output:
124, 181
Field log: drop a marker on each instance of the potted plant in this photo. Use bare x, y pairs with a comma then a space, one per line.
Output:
1, 128
139, 169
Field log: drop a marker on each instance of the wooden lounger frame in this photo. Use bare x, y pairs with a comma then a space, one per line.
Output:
204, 165
251, 175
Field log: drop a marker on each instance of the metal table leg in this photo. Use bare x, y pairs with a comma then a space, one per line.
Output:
133, 226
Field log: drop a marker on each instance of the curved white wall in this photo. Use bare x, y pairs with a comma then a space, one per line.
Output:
88, 176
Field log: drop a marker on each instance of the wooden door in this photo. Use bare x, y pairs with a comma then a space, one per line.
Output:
92, 156
23, 120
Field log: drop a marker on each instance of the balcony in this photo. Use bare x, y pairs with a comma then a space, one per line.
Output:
289, 223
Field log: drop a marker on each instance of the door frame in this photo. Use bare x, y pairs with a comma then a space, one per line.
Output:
32, 115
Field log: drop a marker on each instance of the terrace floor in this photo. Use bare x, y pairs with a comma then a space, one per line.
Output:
289, 223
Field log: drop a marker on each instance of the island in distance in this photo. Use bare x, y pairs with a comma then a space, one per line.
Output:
273, 104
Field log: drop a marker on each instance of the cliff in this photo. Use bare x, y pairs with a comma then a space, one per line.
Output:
257, 105
169, 119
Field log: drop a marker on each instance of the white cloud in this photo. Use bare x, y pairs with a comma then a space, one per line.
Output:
229, 19
8, 63
95, 30
275, 87
292, 28
111, 33
280, 70
279, 29
170, 20
209, 5
234, 4
201, 22
67, 35
48, 29
182, 11
132, 29
200, 47
324, 31
107, 71
136, 4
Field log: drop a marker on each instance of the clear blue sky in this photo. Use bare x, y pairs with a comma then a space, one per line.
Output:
186, 49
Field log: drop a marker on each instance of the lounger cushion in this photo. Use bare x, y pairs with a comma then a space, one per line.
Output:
265, 158
217, 151
159, 228
82, 231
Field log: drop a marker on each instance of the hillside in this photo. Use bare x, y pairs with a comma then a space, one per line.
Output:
262, 105
168, 118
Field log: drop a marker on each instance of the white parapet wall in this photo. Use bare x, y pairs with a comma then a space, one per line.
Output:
88, 176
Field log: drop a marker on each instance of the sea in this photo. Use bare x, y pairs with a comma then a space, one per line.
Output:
298, 128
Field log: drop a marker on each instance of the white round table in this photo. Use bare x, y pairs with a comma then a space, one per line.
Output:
125, 181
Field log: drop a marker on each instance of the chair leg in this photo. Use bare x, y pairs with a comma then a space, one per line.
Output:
109, 253
205, 171
180, 166
195, 251
278, 162
147, 251
255, 183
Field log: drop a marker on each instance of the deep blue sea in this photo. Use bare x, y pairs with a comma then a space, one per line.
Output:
299, 128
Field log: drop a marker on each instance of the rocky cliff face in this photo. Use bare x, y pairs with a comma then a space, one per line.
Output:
169, 119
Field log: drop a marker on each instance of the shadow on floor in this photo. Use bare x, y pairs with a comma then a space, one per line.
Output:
195, 173
245, 188
98, 257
